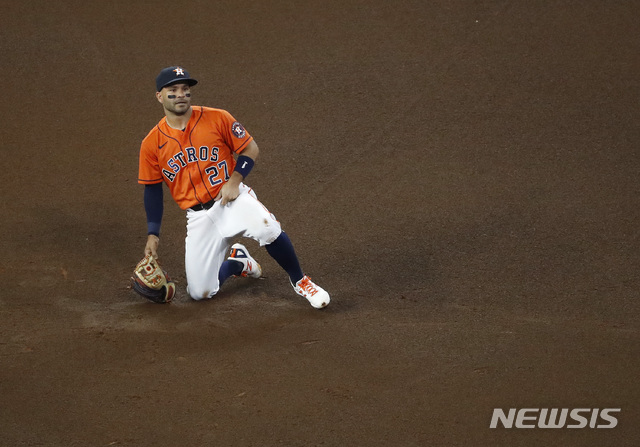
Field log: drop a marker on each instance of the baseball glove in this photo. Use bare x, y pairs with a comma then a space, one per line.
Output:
153, 283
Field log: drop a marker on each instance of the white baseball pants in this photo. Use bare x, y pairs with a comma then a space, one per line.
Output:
210, 233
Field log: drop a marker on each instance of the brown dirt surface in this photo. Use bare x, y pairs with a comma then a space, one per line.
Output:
461, 176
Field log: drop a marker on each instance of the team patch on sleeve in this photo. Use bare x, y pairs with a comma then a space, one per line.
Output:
238, 130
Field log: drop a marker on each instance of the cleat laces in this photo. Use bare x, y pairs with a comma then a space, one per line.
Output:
308, 286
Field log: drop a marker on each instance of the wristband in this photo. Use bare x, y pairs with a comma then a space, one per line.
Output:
153, 228
244, 165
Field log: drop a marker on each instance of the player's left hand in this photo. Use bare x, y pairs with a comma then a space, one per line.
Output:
229, 191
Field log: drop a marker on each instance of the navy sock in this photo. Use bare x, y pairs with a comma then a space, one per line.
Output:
282, 251
228, 269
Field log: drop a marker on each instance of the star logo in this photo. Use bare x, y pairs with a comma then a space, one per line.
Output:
179, 71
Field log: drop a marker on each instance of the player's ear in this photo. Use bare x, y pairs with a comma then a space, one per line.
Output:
159, 97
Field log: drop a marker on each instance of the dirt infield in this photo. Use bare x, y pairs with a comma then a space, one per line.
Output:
461, 176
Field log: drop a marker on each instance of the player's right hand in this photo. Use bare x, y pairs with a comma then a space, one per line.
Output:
230, 190
152, 246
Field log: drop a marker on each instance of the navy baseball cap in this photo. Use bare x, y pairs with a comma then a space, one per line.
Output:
172, 75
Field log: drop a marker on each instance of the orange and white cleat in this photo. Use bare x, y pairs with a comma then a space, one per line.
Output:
251, 268
316, 295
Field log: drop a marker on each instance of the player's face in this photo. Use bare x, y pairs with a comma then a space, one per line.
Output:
176, 98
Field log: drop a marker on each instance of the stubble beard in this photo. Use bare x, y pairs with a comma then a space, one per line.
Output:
180, 111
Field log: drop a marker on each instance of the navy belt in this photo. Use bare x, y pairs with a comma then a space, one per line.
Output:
203, 206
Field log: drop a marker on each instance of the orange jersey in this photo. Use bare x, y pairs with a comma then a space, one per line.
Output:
194, 162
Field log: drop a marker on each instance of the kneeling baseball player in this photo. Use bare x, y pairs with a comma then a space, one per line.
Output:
192, 151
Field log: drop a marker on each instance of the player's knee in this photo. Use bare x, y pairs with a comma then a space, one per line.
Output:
200, 293
269, 233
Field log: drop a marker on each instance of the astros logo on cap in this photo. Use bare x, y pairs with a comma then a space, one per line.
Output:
179, 71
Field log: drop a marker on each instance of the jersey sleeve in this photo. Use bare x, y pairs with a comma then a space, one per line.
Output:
149, 169
234, 133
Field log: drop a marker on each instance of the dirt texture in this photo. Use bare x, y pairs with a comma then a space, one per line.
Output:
461, 176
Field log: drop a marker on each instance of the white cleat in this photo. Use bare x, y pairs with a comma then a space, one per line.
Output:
251, 268
316, 295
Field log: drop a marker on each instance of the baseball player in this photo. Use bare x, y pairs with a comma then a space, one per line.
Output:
203, 156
